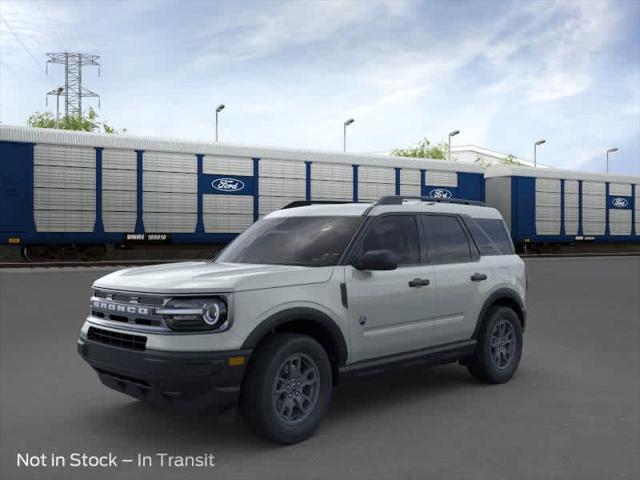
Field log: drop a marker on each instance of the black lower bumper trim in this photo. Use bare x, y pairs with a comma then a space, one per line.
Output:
195, 380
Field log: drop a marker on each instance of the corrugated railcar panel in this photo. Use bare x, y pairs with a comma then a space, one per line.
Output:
571, 228
67, 199
620, 222
594, 202
271, 204
281, 169
119, 221
119, 159
414, 190
331, 190
64, 156
119, 201
620, 189
170, 182
548, 199
367, 174
637, 209
230, 204
550, 214
216, 223
64, 220
441, 178
596, 188
283, 187
409, 176
570, 186
64, 177
547, 185
169, 222
373, 191
594, 215
169, 202
169, 162
119, 180
593, 228
547, 227
227, 165
332, 171
571, 214
571, 200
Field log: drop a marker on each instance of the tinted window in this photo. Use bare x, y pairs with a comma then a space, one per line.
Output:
490, 235
398, 233
306, 241
446, 239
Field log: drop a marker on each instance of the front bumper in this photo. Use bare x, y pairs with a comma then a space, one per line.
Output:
195, 380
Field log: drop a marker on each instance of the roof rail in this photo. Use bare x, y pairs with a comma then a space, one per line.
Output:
398, 199
307, 203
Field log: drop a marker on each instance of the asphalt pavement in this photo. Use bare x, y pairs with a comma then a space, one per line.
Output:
571, 412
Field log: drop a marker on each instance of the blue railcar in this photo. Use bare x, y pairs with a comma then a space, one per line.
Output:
552, 206
76, 188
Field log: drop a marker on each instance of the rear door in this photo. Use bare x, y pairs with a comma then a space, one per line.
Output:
461, 274
390, 311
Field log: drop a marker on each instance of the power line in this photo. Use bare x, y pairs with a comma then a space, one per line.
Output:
54, 32
23, 45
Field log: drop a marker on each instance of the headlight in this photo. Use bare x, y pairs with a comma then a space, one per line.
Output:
193, 314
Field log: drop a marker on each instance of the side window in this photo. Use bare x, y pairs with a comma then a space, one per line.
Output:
398, 233
446, 239
490, 235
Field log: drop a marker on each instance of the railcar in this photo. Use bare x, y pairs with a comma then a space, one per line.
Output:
553, 207
63, 190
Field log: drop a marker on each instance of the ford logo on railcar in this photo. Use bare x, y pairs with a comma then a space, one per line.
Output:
228, 184
619, 202
440, 193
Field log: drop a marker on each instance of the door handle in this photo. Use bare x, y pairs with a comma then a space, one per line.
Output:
418, 282
478, 277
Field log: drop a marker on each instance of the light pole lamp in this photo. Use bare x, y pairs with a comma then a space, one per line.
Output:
611, 150
535, 151
451, 134
344, 133
219, 108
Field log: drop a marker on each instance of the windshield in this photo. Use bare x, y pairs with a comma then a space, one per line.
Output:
306, 241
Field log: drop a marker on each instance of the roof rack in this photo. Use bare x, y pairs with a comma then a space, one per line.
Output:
307, 203
398, 199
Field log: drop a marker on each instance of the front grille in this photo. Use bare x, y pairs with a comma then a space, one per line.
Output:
134, 309
117, 339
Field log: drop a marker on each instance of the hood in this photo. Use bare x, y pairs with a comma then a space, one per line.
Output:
207, 277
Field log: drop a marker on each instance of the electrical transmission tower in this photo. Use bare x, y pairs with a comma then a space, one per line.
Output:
73, 92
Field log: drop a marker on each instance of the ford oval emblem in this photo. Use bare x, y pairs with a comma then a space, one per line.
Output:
619, 202
228, 184
440, 193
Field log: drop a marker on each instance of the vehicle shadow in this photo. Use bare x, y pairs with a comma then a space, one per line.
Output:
147, 426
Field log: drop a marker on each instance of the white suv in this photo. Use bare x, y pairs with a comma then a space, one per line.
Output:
307, 295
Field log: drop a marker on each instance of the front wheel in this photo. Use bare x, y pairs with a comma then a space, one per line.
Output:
499, 347
287, 390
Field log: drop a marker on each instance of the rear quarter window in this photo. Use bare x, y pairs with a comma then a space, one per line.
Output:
491, 236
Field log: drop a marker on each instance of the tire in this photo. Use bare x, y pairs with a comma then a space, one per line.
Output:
287, 389
499, 363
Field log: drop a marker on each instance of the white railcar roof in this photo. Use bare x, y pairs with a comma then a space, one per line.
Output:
410, 206
514, 171
14, 133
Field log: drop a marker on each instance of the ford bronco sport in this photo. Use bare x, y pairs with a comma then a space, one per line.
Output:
309, 295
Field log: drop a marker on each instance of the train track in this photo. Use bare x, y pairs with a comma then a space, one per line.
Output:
137, 263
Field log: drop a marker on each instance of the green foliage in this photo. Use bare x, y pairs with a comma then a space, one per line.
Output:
424, 149
88, 123
508, 160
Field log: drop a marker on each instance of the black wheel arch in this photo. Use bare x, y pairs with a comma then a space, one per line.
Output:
307, 321
506, 297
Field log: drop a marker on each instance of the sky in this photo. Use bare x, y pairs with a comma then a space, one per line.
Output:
503, 73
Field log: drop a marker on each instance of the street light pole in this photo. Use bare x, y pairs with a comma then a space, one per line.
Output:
611, 150
219, 108
451, 134
344, 133
535, 147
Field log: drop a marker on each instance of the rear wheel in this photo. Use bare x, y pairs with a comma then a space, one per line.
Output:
287, 390
499, 347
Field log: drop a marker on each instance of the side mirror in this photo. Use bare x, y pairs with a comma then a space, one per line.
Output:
377, 260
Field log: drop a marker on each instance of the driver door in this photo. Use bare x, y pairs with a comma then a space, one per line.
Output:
387, 315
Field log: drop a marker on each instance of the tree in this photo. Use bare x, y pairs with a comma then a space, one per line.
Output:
508, 160
424, 149
88, 123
